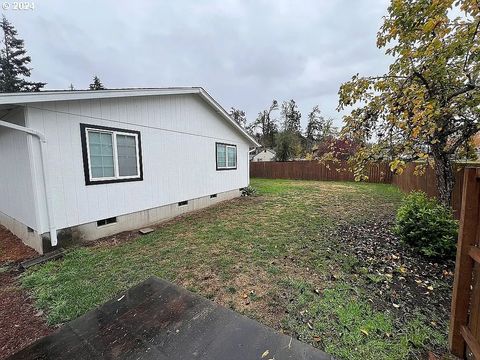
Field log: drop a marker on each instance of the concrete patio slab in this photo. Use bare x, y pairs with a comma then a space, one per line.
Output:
159, 320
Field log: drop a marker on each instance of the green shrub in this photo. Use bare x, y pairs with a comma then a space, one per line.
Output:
249, 191
427, 225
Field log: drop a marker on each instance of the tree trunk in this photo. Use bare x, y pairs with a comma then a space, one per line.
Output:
445, 176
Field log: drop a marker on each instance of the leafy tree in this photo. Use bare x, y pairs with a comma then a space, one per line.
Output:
96, 84
291, 116
265, 126
238, 116
332, 147
427, 105
14, 62
318, 128
287, 145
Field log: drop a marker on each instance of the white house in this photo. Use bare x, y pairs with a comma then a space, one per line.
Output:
265, 155
87, 164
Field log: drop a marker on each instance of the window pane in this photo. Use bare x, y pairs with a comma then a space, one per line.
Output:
101, 154
108, 171
94, 138
232, 156
221, 156
97, 171
127, 155
95, 160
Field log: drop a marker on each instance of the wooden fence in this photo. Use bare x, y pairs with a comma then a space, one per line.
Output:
464, 336
377, 173
314, 170
408, 181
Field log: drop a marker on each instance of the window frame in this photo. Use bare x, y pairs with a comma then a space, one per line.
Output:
89, 180
226, 167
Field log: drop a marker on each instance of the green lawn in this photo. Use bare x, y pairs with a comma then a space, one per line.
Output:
274, 257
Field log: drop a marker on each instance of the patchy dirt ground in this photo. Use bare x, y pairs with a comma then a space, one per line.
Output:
400, 276
400, 279
20, 323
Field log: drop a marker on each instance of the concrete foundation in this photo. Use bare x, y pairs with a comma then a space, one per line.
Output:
137, 220
29, 236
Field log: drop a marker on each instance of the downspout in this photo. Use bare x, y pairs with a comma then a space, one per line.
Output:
43, 155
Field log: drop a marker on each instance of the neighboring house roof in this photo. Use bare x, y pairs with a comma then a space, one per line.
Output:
270, 151
67, 95
263, 151
266, 150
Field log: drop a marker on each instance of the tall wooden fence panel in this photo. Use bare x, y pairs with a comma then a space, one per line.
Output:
464, 336
408, 181
315, 170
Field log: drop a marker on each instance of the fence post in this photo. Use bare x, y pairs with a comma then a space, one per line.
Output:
467, 238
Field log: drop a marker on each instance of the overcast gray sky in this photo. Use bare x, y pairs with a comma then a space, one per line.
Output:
243, 52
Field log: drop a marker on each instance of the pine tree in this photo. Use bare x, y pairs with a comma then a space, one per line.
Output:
318, 128
291, 117
14, 63
97, 84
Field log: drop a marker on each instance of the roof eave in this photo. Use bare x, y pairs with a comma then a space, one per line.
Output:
220, 110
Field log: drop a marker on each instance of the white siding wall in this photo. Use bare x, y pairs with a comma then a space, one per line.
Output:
16, 184
178, 135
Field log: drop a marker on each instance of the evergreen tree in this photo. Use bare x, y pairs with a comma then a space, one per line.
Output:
287, 146
14, 62
314, 124
96, 84
291, 117
318, 128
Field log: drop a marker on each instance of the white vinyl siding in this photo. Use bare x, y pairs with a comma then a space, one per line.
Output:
177, 136
112, 155
226, 156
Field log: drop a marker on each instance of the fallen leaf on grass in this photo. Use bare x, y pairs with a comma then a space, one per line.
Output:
364, 332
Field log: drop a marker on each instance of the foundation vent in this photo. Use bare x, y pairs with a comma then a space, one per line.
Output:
108, 221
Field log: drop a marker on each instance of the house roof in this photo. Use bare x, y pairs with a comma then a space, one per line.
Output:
271, 151
67, 95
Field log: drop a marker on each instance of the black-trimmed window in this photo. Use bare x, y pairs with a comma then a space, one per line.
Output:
226, 156
110, 154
